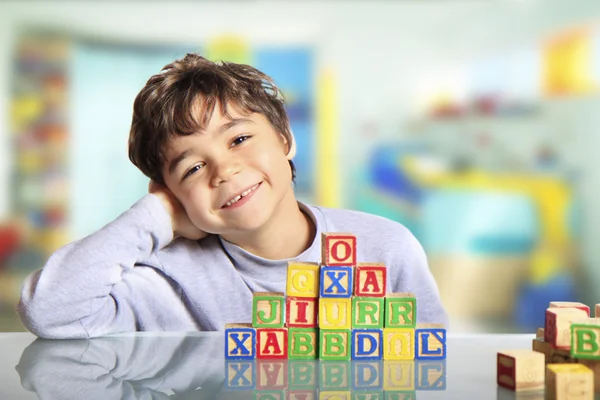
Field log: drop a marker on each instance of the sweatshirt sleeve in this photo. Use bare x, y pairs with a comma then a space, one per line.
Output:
82, 289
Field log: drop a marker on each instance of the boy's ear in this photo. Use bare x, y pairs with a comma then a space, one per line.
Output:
290, 146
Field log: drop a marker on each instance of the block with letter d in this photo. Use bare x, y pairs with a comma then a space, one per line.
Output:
367, 344
430, 342
268, 310
336, 282
240, 342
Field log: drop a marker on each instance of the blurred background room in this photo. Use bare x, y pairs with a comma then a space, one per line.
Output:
473, 123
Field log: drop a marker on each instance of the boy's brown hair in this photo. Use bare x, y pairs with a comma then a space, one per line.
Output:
168, 106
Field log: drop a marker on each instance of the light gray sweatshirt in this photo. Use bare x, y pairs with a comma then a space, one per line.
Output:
132, 275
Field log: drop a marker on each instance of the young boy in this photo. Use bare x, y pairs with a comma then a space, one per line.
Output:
220, 220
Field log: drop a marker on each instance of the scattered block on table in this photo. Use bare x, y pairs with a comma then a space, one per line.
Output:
569, 381
370, 280
561, 356
586, 339
272, 343
301, 312
240, 342
271, 375
334, 344
430, 374
303, 374
302, 395
595, 367
240, 375
557, 331
335, 313
338, 249
430, 341
539, 345
367, 344
399, 375
521, 370
398, 344
539, 333
302, 279
302, 343
367, 375
268, 310
368, 312
334, 375
336, 282
570, 304
400, 310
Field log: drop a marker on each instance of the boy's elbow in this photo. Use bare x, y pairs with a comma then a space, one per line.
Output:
42, 322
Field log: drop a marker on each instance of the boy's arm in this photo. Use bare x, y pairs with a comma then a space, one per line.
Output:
90, 287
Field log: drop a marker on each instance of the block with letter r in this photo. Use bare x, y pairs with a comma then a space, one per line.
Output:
336, 282
400, 310
240, 342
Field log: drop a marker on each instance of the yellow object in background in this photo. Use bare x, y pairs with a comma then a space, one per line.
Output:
229, 48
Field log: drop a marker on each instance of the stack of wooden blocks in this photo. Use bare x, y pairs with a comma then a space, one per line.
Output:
565, 355
336, 310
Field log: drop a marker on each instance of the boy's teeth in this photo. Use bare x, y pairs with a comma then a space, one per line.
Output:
234, 200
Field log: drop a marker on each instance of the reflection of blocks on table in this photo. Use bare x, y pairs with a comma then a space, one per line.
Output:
398, 344
267, 310
398, 376
367, 375
240, 341
430, 342
302, 375
270, 395
271, 374
521, 370
430, 374
334, 376
240, 375
569, 381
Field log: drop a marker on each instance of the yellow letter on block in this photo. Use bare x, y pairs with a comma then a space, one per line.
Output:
303, 279
335, 313
398, 344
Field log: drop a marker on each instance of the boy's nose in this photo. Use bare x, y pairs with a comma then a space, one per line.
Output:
224, 171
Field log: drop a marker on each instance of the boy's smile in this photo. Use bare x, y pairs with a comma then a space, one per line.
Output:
233, 177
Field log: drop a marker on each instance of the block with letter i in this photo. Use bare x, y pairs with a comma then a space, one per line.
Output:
430, 342
585, 339
338, 249
557, 331
569, 381
336, 282
519, 370
268, 310
370, 280
301, 312
400, 310
240, 342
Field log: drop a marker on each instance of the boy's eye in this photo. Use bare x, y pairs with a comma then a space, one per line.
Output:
193, 170
238, 140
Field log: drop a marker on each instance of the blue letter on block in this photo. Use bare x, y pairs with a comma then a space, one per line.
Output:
430, 375
367, 344
240, 344
367, 375
336, 282
240, 375
430, 344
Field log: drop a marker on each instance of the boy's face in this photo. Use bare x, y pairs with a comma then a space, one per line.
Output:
232, 177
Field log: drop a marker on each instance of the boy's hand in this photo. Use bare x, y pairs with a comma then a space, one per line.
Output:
182, 226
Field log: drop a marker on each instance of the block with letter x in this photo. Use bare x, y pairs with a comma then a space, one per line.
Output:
336, 282
240, 342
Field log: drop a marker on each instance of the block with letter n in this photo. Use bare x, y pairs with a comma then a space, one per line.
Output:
268, 310
338, 249
585, 339
400, 310
240, 342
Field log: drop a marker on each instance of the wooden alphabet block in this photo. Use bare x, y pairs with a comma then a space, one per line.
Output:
519, 370
335, 395
302, 395
302, 343
335, 313
398, 344
367, 375
595, 367
538, 344
301, 312
400, 395
269, 395
240, 342
561, 356
338, 249
399, 376
334, 376
240, 375
569, 381
370, 280
400, 310
302, 279
334, 344
557, 331
271, 375
430, 374
539, 333
268, 310
430, 342
272, 343
585, 335
368, 312
336, 282
367, 344
303, 374
369, 395
570, 304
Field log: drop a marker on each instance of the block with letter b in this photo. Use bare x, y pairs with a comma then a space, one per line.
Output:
430, 342
336, 282
338, 249
400, 310
302, 343
268, 310
240, 342
585, 336
302, 279
370, 280
334, 344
